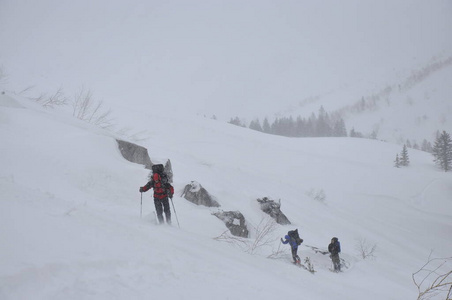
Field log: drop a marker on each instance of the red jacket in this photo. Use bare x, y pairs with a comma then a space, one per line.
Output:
161, 189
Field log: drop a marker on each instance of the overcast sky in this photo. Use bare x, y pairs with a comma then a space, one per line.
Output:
216, 57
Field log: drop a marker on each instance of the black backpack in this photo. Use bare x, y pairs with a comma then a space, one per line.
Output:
294, 235
159, 169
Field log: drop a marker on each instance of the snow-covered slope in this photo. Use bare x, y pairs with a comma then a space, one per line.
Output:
412, 106
70, 221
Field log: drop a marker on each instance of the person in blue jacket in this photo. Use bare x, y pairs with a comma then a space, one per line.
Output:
293, 239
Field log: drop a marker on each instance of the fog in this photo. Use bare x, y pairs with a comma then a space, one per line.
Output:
227, 58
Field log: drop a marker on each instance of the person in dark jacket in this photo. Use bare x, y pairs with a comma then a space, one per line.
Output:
162, 190
335, 248
293, 239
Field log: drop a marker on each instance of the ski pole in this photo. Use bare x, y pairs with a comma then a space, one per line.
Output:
175, 212
141, 208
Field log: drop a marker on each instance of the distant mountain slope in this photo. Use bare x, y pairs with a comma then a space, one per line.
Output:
412, 107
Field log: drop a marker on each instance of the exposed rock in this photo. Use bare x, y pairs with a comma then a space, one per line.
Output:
234, 221
135, 153
198, 195
169, 171
273, 209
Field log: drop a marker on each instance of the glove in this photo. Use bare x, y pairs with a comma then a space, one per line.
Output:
141, 189
301, 241
171, 196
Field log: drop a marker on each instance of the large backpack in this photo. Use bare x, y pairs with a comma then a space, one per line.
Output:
159, 169
295, 236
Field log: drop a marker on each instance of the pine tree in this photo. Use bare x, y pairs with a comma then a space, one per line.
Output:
339, 128
266, 126
322, 127
236, 121
300, 127
442, 151
276, 127
426, 146
404, 159
256, 125
408, 144
310, 125
397, 161
356, 134
373, 135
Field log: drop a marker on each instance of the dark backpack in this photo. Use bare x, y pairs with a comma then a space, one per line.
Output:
295, 236
159, 169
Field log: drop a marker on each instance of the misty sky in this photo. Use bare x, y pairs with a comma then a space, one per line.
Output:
216, 57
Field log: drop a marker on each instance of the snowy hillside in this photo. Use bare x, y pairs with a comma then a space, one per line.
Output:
70, 221
412, 106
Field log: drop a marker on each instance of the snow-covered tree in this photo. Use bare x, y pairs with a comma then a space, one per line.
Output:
322, 127
256, 125
408, 144
373, 134
442, 151
354, 133
339, 128
397, 161
426, 146
236, 121
266, 126
301, 127
404, 159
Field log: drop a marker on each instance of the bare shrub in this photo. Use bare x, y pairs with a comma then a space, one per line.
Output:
309, 265
26, 90
263, 232
227, 237
365, 249
278, 253
85, 108
263, 237
58, 98
434, 278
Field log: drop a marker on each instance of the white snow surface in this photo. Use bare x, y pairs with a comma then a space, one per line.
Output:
70, 225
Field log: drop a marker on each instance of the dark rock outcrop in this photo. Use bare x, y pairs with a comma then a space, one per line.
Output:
198, 195
139, 155
234, 221
135, 153
273, 209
